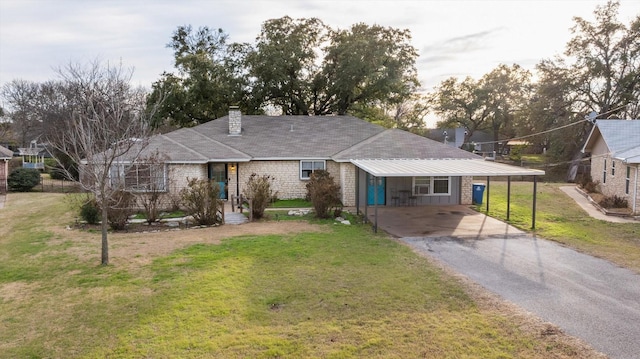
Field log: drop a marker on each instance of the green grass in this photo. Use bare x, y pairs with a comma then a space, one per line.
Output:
342, 292
291, 203
534, 159
560, 219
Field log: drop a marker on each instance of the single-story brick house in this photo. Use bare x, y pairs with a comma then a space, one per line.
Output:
372, 164
5, 156
614, 146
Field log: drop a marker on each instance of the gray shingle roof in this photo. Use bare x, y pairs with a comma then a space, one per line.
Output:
396, 144
5, 152
340, 138
620, 136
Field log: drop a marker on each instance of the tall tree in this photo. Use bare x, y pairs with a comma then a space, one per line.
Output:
6, 133
461, 104
285, 66
297, 66
366, 63
554, 105
491, 104
210, 77
21, 96
106, 122
607, 62
507, 89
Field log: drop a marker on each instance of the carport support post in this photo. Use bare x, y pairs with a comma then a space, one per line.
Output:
508, 196
535, 192
357, 189
488, 181
375, 203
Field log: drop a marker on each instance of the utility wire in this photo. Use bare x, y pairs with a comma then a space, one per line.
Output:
534, 134
554, 129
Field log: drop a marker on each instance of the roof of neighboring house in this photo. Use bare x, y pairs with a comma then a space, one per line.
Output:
339, 138
622, 138
5, 153
395, 144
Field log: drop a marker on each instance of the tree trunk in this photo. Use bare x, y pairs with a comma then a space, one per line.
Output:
105, 243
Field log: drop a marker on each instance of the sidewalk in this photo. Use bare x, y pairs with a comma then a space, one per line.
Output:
591, 209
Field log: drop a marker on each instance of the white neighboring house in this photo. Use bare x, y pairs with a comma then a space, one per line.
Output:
5, 156
615, 159
372, 164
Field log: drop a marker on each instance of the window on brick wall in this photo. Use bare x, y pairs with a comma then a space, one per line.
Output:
613, 168
627, 180
140, 177
604, 172
308, 167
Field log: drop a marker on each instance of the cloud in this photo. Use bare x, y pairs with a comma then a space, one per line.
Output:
441, 52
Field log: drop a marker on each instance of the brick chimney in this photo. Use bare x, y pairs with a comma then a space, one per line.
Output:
235, 121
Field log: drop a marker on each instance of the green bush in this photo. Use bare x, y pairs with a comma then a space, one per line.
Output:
63, 169
23, 179
201, 200
90, 212
258, 190
324, 193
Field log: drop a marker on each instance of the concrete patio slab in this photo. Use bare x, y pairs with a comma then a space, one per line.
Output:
439, 221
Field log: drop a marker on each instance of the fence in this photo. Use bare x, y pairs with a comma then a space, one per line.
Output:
57, 186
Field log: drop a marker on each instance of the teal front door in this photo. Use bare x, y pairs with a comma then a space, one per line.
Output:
218, 173
373, 187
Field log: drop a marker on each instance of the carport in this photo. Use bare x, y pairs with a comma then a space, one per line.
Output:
457, 168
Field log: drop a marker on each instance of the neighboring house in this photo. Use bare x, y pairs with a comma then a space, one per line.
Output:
5, 157
34, 155
614, 146
482, 142
370, 163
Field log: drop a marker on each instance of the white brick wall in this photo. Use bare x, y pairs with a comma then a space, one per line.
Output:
466, 191
179, 174
614, 182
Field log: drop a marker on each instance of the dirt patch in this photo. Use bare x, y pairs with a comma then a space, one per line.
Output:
140, 248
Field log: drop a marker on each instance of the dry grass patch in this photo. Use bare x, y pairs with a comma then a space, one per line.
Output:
263, 290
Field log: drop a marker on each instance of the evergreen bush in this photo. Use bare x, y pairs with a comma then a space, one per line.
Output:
23, 179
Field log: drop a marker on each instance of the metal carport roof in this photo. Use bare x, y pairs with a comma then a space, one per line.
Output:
441, 167
448, 167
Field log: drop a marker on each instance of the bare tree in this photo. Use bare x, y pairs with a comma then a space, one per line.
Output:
106, 131
21, 96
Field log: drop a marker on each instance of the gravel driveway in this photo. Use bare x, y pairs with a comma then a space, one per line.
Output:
587, 297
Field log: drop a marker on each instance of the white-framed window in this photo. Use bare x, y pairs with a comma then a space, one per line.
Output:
613, 168
432, 186
421, 186
140, 177
627, 180
604, 172
307, 167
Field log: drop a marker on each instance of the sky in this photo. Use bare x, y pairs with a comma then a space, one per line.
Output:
453, 38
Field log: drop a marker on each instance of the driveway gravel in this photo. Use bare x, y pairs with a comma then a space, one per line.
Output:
587, 297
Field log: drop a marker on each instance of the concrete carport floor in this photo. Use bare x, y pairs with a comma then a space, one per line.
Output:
438, 221
587, 297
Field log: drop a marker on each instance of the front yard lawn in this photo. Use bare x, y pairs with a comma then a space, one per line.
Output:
288, 289
560, 219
